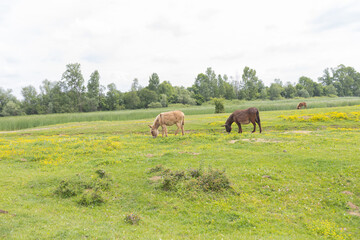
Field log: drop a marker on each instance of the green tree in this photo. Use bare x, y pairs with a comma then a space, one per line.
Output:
73, 84
289, 90
308, 84
202, 86
135, 86
154, 82
166, 88
12, 109
113, 97
327, 78
346, 80
330, 90
93, 91
275, 91
163, 100
213, 82
318, 90
147, 96
251, 86
5, 97
30, 103
131, 100
183, 96
226, 89
303, 93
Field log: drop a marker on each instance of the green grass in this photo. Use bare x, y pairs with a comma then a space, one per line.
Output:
296, 180
32, 121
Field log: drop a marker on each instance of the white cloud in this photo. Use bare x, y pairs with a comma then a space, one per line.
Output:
176, 39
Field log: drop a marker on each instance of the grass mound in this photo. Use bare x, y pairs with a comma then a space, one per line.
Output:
208, 180
87, 190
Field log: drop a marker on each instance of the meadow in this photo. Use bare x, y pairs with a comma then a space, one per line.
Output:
32, 121
298, 179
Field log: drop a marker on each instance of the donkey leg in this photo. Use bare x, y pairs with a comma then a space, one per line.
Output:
258, 122
164, 127
162, 130
182, 129
240, 129
254, 127
178, 128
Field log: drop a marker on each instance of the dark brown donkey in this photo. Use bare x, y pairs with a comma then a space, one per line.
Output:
302, 104
243, 117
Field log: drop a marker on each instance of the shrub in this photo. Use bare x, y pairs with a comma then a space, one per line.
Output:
101, 173
91, 197
155, 105
157, 168
214, 180
195, 179
219, 105
171, 179
132, 219
90, 189
195, 172
69, 188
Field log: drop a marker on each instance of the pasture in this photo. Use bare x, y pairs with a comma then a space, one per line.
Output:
298, 179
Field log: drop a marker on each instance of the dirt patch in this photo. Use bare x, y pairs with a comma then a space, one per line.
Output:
149, 155
352, 206
355, 214
260, 140
233, 141
299, 131
155, 178
3, 211
191, 153
347, 193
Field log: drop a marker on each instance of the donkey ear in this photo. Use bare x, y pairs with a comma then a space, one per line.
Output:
223, 125
150, 126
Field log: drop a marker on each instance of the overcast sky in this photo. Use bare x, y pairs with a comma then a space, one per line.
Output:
177, 40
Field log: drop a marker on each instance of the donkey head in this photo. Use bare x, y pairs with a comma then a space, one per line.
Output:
154, 132
227, 127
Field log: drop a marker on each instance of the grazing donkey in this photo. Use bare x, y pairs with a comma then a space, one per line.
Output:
243, 117
167, 119
302, 104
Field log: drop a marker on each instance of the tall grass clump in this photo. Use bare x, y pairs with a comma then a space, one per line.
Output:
206, 180
87, 190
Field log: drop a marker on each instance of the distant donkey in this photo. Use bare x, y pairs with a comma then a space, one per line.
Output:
168, 119
243, 117
302, 104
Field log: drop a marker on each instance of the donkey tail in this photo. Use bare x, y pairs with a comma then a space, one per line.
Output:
258, 119
257, 116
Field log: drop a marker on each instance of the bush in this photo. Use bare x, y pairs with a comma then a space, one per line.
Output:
196, 179
91, 197
132, 219
90, 189
69, 188
213, 180
155, 105
171, 179
219, 105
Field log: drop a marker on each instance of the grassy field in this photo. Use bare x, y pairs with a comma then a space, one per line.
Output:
32, 121
298, 179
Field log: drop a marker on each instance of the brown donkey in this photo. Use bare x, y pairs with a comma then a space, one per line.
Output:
243, 117
302, 104
168, 119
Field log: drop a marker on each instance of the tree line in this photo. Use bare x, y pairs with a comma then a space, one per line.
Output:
72, 94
